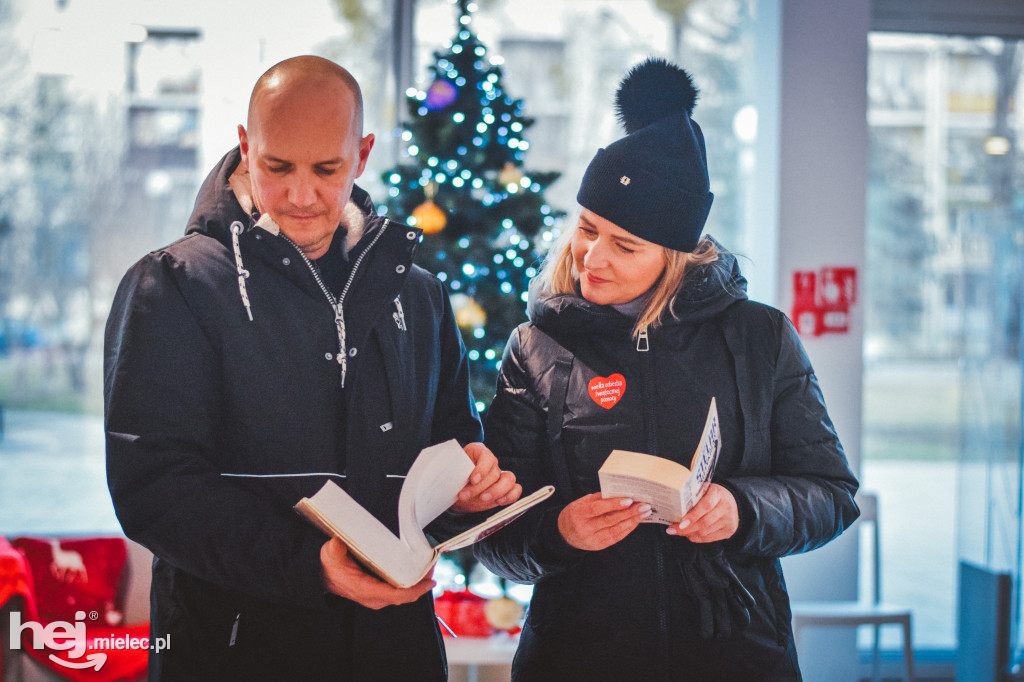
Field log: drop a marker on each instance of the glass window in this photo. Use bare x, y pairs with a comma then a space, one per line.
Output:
942, 365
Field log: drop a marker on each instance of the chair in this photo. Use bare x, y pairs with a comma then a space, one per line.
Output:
871, 611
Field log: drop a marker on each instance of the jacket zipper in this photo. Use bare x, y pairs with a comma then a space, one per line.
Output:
337, 304
643, 345
662, 600
649, 394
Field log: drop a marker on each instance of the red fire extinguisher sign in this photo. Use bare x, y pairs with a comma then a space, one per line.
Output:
822, 300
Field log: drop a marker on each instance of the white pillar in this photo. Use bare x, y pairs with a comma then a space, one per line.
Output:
812, 158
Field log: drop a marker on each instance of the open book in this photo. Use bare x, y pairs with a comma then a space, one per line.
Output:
669, 487
430, 488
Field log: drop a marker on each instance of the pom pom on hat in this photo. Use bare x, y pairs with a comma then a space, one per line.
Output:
653, 183
651, 91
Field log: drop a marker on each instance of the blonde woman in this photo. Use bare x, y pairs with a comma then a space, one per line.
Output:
636, 322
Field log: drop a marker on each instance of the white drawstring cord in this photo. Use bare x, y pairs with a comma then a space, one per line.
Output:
243, 274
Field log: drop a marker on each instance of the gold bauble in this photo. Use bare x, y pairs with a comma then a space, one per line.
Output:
468, 313
510, 175
503, 613
429, 217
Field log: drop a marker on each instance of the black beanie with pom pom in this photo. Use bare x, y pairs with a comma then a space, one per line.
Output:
653, 183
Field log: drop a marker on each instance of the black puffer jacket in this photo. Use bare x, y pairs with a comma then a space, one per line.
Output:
625, 613
217, 425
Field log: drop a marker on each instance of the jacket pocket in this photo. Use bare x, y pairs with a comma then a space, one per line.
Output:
779, 596
203, 624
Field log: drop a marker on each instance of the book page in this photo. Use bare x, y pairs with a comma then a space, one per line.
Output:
497, 521
337, 513
663, 496
431, 487
669, 487
702, 467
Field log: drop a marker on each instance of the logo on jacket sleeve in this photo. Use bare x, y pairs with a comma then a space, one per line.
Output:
606, 391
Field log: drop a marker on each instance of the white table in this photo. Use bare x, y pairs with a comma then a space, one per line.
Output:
473, 652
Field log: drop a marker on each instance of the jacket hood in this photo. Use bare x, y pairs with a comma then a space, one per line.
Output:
216, 205
706, 291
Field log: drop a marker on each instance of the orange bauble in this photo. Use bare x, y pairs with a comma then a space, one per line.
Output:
429, 217
503, 613
469, 314
510, 175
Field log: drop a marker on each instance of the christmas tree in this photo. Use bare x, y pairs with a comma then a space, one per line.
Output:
484, 219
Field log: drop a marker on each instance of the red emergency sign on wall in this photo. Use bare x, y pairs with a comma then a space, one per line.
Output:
822, 300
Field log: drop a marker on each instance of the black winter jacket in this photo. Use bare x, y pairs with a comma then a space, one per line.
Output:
626, 613
217, 425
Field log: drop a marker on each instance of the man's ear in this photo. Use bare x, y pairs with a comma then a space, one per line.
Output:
365, 145
243, 144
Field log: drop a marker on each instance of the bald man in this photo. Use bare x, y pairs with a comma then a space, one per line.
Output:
285, 341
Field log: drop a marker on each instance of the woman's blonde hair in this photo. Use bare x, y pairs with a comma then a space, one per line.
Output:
558, 276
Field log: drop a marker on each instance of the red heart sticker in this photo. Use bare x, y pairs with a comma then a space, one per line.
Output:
606, 391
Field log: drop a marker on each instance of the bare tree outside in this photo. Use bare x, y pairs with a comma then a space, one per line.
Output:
59, 188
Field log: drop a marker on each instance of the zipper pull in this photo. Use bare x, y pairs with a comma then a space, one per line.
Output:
642, 343
339, 323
